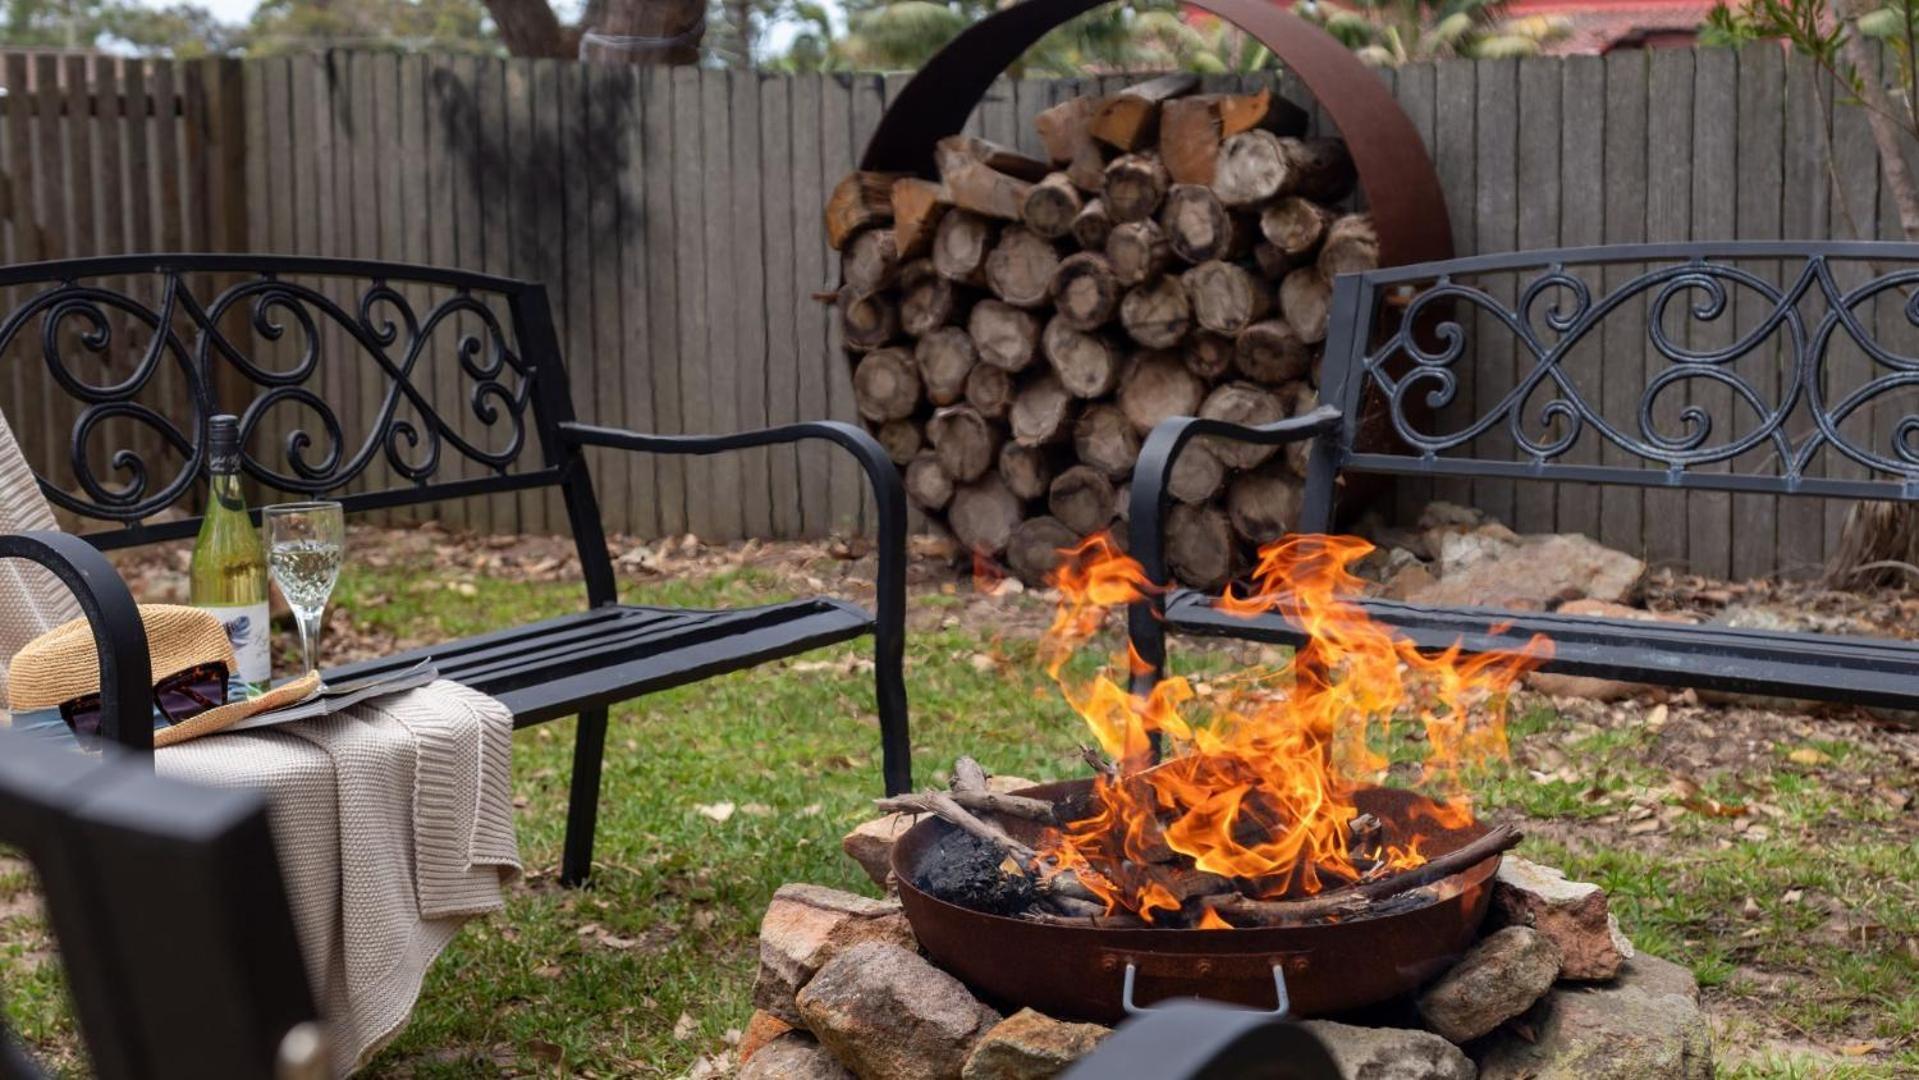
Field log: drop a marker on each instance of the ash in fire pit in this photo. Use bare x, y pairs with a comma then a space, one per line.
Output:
963, 869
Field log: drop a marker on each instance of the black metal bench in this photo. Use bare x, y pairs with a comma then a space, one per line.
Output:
1397, 337
201, 975
261, 336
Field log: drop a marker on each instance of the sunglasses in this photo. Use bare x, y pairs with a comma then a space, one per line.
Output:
178, 698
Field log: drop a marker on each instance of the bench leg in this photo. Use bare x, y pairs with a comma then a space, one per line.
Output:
583, 805
896, 744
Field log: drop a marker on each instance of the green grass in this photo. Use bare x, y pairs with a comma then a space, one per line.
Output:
597, 981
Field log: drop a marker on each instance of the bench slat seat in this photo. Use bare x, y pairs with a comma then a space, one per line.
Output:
560, 666
1825, 667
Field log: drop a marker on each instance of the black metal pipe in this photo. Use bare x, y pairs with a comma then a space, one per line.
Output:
889, 496
126, 671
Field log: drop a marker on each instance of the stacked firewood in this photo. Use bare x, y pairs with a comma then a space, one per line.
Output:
1018, 325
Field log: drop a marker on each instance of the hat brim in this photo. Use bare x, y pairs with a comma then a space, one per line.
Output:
225, 716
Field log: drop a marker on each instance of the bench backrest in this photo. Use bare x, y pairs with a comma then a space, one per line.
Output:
1764, 367
381, 385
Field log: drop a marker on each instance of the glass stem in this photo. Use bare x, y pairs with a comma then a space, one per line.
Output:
309, 622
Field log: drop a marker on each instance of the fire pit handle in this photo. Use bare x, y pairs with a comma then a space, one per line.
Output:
1132, 1008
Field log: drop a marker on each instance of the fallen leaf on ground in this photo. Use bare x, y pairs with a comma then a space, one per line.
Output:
685, 1027
719, 811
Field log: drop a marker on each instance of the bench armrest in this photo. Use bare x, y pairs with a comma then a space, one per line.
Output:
889, 494
126, 671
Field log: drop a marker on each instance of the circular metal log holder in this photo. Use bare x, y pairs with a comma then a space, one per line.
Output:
1396, 176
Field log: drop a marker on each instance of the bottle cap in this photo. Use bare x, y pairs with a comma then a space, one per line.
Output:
223, 443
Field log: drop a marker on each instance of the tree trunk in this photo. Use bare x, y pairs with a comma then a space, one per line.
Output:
1199, 228
1351, 246
1270, 352
918, 206
1305, 299
1005, 336
989, 390
1105, 439
1020, 268
927, 484
983, 515
1042, 412
1027, 470
1197, 474
1295, 225
1082, 499
967, 444
1137, 251
1248, 405
1135, 186
1051, 206
927, 300
1208, 356
886, 385
1157, 385
902, 440
1033, 551
945, 357
1085, 291
1129, 119
676, 25
960, 246
1087, 364
1158, 313
1264, 505
1092, 226
871, 262
861, 200
1199, 545
1226, 299
867, 322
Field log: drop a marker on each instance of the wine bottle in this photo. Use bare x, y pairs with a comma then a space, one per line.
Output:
228, 576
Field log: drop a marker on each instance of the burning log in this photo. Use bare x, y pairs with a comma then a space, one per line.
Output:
1356, 901
947, 808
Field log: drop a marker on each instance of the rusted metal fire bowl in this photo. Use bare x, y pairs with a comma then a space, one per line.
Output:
1073, 972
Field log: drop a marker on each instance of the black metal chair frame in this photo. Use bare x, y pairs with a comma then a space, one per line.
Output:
501, 335
200, 975
1394, 336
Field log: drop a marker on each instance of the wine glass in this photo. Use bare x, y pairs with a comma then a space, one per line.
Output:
306, 543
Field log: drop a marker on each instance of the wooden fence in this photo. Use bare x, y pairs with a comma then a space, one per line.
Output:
674, 214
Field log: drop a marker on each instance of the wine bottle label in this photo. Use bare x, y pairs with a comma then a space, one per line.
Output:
251, 636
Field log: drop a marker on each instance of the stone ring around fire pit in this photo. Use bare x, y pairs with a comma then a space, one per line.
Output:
1079, 972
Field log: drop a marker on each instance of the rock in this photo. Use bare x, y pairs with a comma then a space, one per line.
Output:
806, 926
1406, 582
1030, 1045
1645, 1023
1496, 980
1535, 573
871, 844
1572, 914
794, 1056
1457, 551
887, 1014
1440, 513
763, 1028
1364, 1053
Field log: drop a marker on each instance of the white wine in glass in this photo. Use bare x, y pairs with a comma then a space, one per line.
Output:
306, 543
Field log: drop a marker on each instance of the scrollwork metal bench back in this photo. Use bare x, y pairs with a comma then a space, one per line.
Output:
1405, 336
383, 385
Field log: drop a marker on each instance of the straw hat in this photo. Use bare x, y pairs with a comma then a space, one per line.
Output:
63, 664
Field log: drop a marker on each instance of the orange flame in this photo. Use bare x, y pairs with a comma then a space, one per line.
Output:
1259, 772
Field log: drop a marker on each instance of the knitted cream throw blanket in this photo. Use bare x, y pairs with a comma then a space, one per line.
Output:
393, 821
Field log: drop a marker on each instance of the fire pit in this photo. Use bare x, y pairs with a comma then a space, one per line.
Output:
1078, 971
